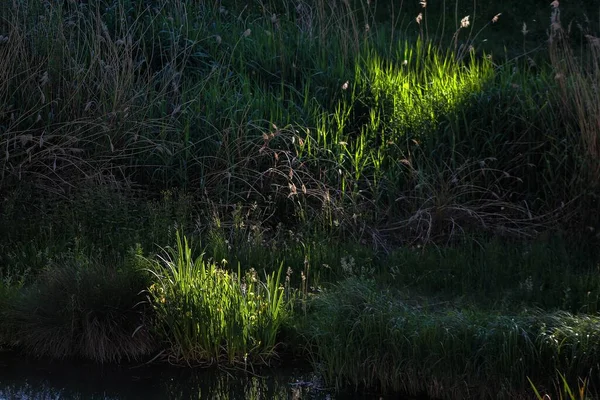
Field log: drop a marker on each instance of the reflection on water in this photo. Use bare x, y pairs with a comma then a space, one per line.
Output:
24, 379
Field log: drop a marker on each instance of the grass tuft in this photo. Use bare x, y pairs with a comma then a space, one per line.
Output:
209, 315
78, 307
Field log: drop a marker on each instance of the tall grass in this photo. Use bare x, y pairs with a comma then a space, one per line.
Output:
209, 315
80, 308
500, 275
76, 104
258, 110
578, 77
363, 336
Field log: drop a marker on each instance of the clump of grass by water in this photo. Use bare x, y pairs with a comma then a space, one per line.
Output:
207, 314
368, 337
81, 307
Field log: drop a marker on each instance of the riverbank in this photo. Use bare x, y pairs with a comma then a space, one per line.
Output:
375, 191
404, 326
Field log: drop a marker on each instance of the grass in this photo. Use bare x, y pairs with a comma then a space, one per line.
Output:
208, 315
439, 170
213, 112
78, 307
366, 337
565, 390
501, 275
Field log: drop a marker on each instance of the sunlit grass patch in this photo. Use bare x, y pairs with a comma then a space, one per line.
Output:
413, 93
209, 315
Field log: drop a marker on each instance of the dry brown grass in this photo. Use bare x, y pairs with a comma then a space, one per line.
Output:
578, 77
447, 205
74, 106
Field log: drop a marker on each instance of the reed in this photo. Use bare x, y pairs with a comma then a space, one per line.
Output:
209, 315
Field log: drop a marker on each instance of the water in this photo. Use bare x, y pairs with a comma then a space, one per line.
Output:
27, 379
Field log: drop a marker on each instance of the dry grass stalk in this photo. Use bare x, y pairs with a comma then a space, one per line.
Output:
579, 82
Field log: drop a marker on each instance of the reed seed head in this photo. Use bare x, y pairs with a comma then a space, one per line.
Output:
464, 23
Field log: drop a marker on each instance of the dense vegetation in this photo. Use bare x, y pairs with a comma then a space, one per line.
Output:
404, 194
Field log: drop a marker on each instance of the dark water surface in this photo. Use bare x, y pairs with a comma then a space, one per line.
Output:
25, 378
